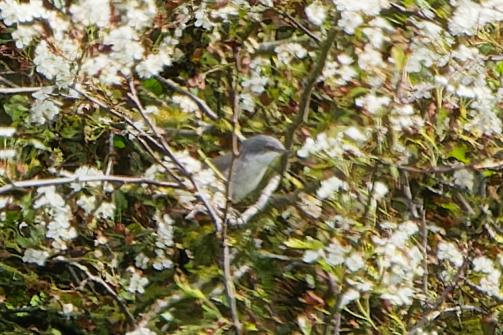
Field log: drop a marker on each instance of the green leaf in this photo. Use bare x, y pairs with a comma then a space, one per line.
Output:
153, 86
119, 142
398, 55
299, 244
190, 291
459, 153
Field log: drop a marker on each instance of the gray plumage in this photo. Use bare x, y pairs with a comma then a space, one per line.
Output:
252, 168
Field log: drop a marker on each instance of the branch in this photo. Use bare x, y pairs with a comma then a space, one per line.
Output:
111, 292
305, 97
426, 314
200, 103
17, 90
215, 218
84, 179
228, 280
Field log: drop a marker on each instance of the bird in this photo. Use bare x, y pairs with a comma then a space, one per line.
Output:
258, 159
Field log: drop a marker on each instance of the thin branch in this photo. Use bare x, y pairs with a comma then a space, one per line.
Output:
305, 97
299, 26
84, 179
215, 218
17, 90
425, 250
228, 280
426, 314
497, 165
480, 290
200, 103
111, 292
457, 310
404, 181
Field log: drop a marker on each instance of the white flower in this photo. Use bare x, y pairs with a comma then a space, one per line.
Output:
153, 65
190, 164
91, 12
106, 210
141, 331
67, 309
350, 21
398, 296
463, 178
337, 254
450, 252
483, 264
246, 101
86, 171
349, 296
355, 134
311, 256
48, 196
355, 262
164, 231
330, 186
256, 83
43, 111
367, 7
141, 261
151, 109
316, 13
137, 284
35, 256
372, 103
7, 131
88, 204
23, 35
185, 103
7, 154
380, 190
162, 262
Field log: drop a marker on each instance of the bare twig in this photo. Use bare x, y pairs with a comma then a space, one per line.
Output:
425, 250
228, 280
200, 103
111, 292
211, 211
435, 306
480, 290
17, 90
404, 181
458, 309
305, 97
84, 179
300, 26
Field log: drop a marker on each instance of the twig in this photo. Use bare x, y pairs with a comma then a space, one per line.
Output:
425, 250
305, 97
200, 103
498, 165
404, 181
426, 314
84, 179
300, 26
228, 280
480, 290
215, 218
111, 292
17, 90
458, 309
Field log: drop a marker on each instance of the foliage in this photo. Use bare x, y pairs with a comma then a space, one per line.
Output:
388, 217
